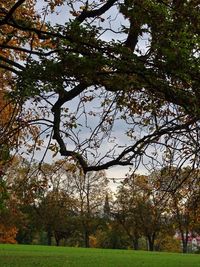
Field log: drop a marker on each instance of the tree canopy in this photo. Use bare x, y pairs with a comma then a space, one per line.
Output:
106, 65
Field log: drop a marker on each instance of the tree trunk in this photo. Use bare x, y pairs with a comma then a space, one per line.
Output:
86, 237
151, 246
185, 246
135, 244
57, 242
151, 240
184, 238
57, 239
49, 237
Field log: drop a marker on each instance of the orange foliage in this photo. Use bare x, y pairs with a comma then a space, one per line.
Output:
54, 3
12, 39
93, 241
8, 234
8, 113
168, 243
6, 109
11, 35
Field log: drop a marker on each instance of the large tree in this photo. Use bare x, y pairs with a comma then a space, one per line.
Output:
13, 130
92, 74
185, 204
179, 187
142, 209
90, 190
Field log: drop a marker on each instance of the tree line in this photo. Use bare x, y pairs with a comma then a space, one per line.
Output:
59, 204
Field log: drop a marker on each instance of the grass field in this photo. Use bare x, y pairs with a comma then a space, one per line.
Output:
43, 256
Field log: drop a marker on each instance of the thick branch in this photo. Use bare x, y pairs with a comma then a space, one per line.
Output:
133, 34
97, 12
137, 148
11, 12
11, 62
5, 67
63, 98
66, 96
29, 51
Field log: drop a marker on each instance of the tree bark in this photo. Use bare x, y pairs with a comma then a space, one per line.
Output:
185, 247
49, 237
135, 244
86, 238
184, 238
151, 240
57, 239
151, 246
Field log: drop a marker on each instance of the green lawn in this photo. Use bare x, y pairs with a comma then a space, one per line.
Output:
43, 256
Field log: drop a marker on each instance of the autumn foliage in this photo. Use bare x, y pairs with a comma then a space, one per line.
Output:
8, 234
115, 83
96, 59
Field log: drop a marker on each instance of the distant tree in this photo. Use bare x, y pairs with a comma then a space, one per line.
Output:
185, 205
167, 242
72, 201
112, 236
106, 209
180, 186
8, 234
141, 209
56, 215
127, 216
90, 190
